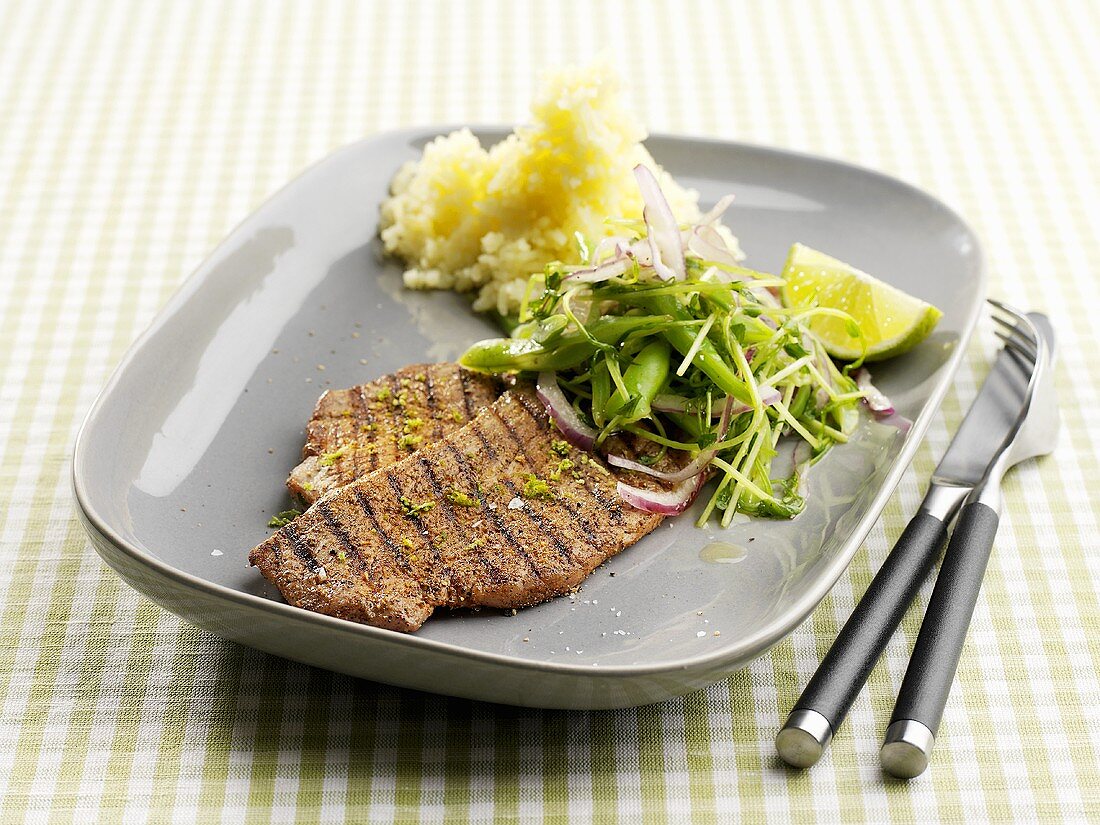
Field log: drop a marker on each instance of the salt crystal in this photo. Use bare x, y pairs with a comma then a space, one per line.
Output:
701, 633
515, 504
215, 552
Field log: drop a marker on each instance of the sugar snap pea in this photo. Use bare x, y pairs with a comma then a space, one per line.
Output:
568, 350
643, 379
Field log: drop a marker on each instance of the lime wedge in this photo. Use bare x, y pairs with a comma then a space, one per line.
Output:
891, 321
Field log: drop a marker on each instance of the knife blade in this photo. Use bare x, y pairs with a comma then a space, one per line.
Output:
987, 423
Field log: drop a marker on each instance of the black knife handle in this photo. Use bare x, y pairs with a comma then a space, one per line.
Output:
936, 654
845, 668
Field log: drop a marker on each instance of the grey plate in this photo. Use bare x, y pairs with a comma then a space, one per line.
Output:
182, 457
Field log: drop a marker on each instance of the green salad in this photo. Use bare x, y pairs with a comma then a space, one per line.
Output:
663, 335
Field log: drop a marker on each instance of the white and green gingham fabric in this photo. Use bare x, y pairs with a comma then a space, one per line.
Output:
133, 135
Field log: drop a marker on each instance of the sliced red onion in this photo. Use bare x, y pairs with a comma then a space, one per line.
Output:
696, 467
792, 459
717, 211
680, 404
705, 242
896, 420
620, 264
671, 403
663, 232
601, 272
876, 402
663, 502
614, 244
769, 396
690, 470
573, 430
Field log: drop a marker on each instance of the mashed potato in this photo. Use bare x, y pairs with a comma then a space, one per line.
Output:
467, 218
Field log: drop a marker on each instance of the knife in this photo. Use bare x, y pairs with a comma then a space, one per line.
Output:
827, 698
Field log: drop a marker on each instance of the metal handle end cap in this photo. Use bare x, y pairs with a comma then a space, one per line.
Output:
803, 740
906, 749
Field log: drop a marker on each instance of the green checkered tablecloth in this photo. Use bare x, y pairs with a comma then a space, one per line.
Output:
134, 135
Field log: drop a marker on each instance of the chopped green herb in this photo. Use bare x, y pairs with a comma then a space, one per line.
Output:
414, 510
456, 496
283, 518
384, 394
535, 487
328, 459
563, 465
559, 447
409, 441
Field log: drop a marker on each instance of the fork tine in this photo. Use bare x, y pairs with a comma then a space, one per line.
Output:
1015, 344
1014, 327
1016, 322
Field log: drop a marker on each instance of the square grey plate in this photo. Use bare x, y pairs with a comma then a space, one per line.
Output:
182, 458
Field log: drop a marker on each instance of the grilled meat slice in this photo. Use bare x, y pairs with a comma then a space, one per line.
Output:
500, 513
357, 430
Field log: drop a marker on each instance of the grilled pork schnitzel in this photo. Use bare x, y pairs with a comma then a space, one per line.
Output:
357, 430
499, 513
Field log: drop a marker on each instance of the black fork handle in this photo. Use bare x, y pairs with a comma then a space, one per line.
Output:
826, 700
935, 659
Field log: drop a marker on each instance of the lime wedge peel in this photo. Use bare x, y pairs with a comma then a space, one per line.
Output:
890, 321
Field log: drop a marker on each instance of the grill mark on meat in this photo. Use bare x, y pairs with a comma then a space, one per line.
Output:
422, 528
397, 410
475, 428
581, 522
465, 383
614, 507
301, 549
365, 407
437, 488
546, 528
389, 543
539, 416
338, 530
429, 388
396, 487
489, 513
494, 573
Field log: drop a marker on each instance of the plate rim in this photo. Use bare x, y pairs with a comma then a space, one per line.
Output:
744, 648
